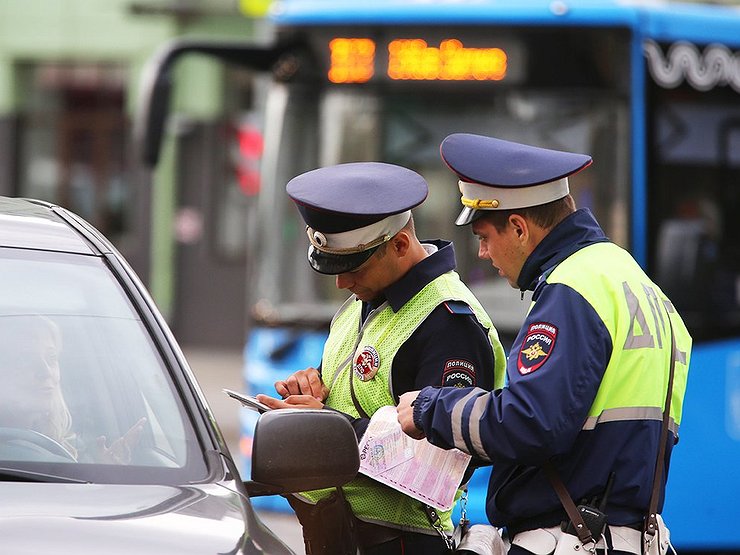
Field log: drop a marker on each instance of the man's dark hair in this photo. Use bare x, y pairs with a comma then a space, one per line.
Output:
546, 216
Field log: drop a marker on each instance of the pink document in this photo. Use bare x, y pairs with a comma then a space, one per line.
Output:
415, 467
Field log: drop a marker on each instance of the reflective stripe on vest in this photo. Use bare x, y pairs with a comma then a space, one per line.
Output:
635, 312
385, 332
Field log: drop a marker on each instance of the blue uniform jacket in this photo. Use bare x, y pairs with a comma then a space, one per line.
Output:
539, 416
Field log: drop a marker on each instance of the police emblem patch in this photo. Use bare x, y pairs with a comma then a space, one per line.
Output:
367, 363
536, 347
458, 373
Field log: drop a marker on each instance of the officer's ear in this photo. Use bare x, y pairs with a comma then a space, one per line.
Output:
528, 232
520, 226
400, 243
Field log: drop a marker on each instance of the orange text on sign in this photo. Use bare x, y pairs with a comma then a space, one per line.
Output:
413, 59
352, 60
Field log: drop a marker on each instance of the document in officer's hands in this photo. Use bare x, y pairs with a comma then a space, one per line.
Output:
414, 467
247, 400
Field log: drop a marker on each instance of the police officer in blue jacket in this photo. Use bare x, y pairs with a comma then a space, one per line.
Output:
588, 373
409, 323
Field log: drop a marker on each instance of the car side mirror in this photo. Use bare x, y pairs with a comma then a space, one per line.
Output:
302, 449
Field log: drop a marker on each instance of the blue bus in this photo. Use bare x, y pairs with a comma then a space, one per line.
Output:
650, 89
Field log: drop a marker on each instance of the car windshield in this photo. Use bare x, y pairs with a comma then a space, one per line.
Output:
85, 394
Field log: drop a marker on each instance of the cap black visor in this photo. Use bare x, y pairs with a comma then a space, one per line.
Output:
333, 264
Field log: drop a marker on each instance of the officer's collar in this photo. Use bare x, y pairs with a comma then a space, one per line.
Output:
576, 231
441, 260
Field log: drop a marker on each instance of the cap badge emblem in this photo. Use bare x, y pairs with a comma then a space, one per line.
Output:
366, 364
320, 238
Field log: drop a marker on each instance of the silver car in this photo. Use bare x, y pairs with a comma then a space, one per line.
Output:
106, 442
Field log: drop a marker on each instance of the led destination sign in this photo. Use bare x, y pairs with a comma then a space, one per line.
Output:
352, 60
414, 59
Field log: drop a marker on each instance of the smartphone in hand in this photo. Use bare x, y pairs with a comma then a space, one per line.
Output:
247, 400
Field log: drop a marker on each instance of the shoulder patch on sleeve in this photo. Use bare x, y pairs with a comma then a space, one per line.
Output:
537, 347
458, 307
458, 372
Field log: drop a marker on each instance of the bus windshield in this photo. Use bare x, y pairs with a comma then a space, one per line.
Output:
405, 125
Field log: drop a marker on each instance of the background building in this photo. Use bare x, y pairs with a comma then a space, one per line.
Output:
69, 72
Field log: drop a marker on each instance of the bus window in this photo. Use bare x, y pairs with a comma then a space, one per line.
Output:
695, 173
349, 127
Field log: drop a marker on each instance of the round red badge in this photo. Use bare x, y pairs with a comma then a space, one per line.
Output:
366, 364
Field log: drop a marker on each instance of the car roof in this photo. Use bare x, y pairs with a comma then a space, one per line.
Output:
36, 225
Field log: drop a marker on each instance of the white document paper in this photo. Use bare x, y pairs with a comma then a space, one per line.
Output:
415, 467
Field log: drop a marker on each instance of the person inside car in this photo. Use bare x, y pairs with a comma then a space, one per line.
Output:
34, 417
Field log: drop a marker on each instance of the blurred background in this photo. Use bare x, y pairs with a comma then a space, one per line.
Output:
212, 242
70, 72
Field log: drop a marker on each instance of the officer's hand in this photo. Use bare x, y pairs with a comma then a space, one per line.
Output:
405, 411
291, 402
303, 382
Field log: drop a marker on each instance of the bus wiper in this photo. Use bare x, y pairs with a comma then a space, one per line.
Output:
18, 475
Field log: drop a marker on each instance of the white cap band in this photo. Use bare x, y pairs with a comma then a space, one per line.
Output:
360, 239
490, 197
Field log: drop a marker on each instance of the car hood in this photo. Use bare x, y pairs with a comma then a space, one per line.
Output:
117, 519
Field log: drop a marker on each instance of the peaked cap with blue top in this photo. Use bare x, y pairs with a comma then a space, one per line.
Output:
501, 175
352, 209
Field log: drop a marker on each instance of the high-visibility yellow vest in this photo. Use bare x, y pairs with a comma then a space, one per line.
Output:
381, 336
636, 379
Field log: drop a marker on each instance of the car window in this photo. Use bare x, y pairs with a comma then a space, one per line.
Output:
84, 391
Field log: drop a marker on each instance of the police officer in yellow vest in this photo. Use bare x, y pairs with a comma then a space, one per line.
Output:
588, 374
410, 322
